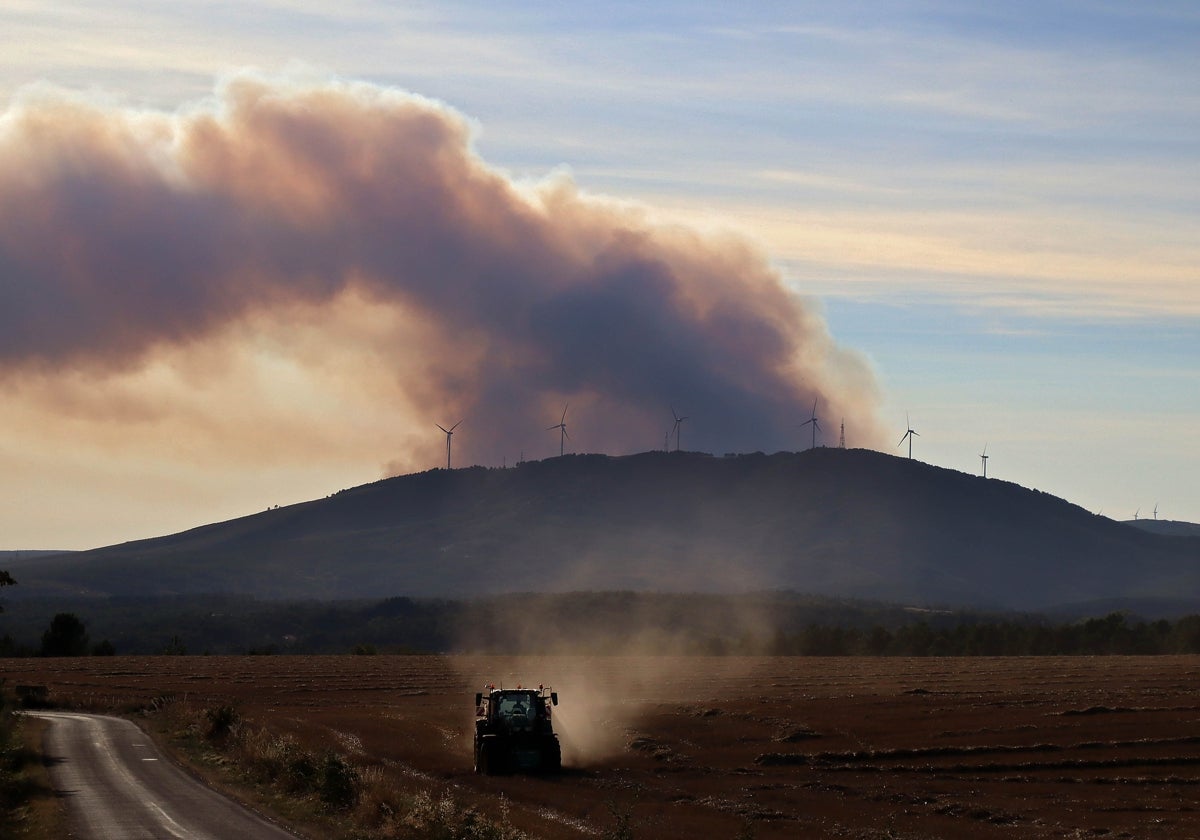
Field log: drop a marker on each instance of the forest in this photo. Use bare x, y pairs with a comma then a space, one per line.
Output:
777, 623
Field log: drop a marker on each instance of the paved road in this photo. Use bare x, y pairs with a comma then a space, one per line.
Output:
118, 786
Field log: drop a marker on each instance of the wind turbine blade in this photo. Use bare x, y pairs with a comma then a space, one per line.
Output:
914, 434
985, 450
440, 426
901, 443
455, 426
564, 417
548, 428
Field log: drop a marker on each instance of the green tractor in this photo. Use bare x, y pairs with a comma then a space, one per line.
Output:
513, 731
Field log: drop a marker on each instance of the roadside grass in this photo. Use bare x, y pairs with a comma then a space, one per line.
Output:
316, 791
29, 810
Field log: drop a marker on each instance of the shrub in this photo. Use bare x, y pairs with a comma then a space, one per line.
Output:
221, 721
622, 825
301, 773
339, 783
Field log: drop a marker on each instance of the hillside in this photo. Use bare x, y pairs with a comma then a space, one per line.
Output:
10, 556
1166, 527
836, 522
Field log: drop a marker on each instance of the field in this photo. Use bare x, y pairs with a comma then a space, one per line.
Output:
688, 747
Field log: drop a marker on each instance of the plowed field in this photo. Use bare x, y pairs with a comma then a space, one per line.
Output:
706, 747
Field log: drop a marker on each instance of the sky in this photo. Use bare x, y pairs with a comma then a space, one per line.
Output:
253, 252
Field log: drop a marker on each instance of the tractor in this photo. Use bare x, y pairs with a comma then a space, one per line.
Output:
513, 731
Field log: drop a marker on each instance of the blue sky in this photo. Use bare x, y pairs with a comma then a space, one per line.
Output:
998, 205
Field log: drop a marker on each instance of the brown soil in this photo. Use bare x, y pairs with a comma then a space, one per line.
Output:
727, 747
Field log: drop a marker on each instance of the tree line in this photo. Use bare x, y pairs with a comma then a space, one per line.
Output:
778, 624
1114, 634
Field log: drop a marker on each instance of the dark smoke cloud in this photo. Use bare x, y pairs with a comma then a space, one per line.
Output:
127, 233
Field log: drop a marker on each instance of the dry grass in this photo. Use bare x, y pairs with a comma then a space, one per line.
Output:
29, 809
319, 791
45, 816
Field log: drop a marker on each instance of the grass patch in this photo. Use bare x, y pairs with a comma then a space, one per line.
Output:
29, 810
319, 792
43, 814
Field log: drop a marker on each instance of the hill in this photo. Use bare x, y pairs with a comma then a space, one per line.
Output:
852, 523
9, 556
1166, 527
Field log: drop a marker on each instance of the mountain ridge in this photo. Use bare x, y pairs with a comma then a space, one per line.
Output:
854, 523
1166, 527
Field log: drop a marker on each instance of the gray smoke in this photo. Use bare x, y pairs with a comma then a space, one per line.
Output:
126, 233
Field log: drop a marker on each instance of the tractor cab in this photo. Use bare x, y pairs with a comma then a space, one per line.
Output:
515, 705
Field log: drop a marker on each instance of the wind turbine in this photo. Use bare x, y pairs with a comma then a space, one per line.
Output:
678, 427
1156, 510
983, 458
562, 427
815, 424
910, 434
449, 434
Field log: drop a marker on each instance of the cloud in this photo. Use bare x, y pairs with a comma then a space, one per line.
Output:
350, 229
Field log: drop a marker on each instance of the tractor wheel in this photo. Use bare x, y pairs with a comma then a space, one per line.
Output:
483, 764
552, 757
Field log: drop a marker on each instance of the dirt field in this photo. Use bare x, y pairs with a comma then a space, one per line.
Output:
704, 747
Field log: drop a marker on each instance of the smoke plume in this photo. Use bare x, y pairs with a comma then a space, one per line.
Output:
343, 216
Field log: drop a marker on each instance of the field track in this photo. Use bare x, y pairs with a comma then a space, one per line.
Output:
700, 747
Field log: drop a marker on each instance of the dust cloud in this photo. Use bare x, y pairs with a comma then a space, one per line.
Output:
351, 236
603, 700
614, 658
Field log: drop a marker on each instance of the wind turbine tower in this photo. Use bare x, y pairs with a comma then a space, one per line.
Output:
562, 427
815, 425
910, 434
449, 434
678, 427
983, 458
842, 439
